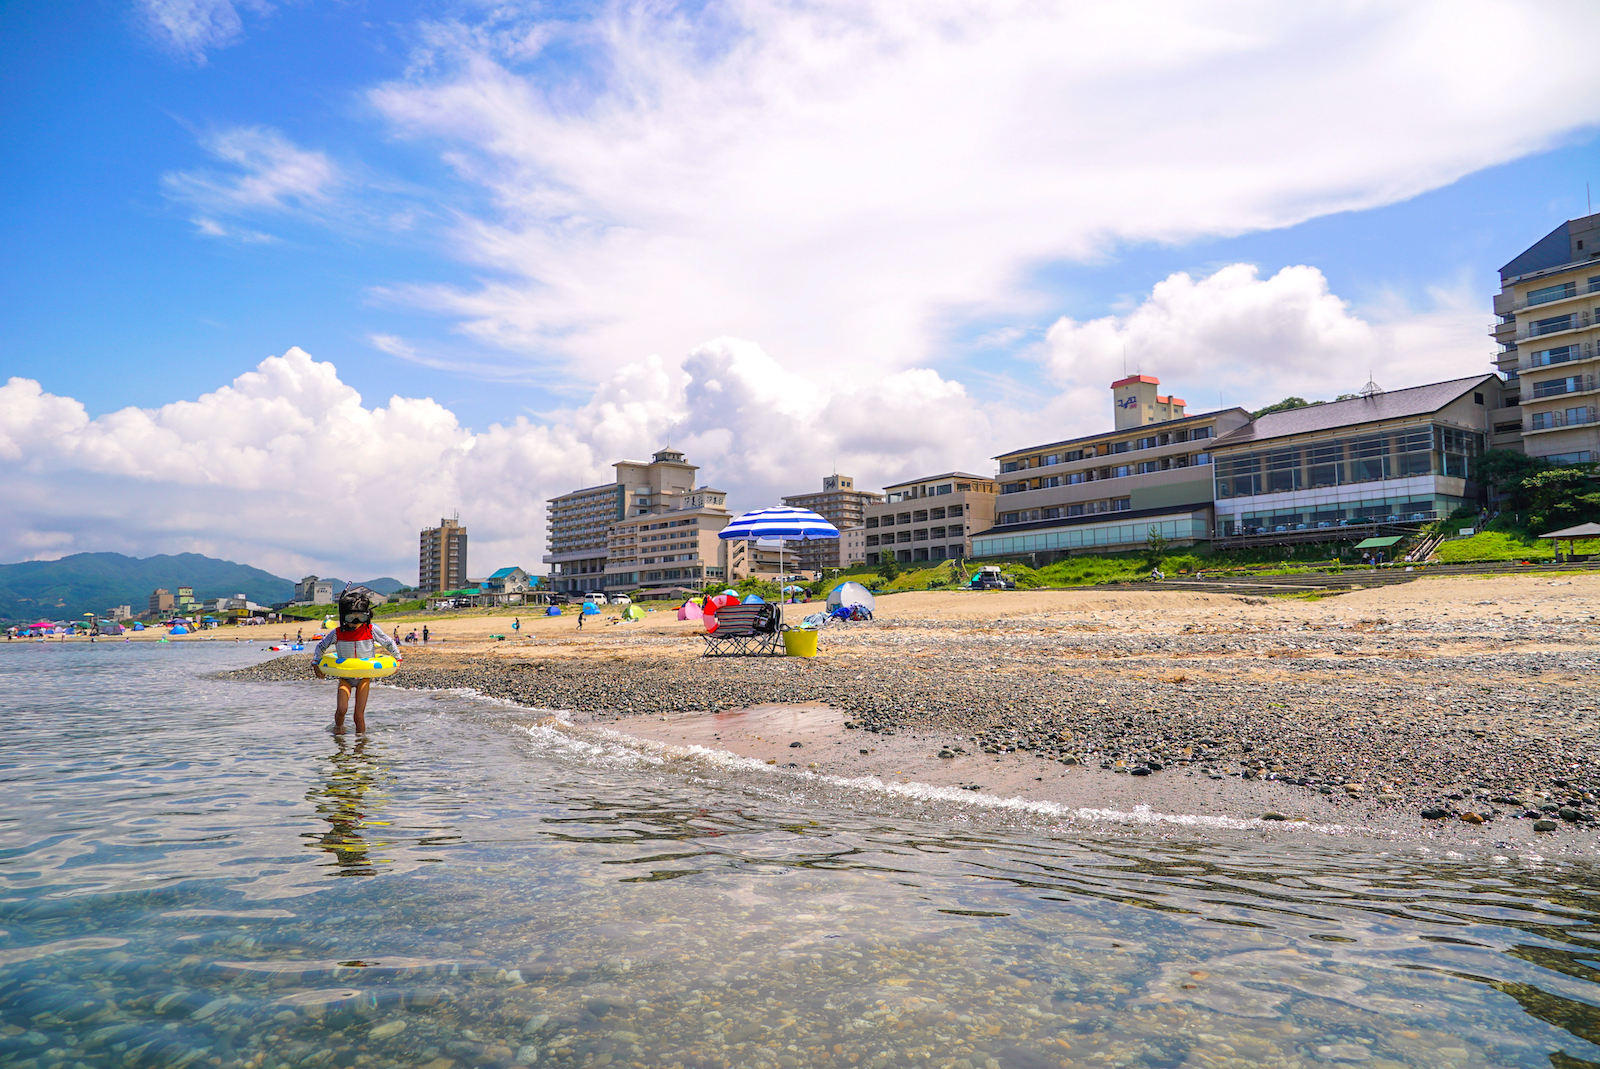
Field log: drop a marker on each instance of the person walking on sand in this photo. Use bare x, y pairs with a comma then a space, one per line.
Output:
516, 623
580, 619
356, 636
424, 634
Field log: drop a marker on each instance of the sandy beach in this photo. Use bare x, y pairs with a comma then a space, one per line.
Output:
1459, 707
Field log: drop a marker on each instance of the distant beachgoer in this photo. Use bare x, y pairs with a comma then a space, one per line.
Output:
355, 636
424, 634
299, 636
580, 619
516, 624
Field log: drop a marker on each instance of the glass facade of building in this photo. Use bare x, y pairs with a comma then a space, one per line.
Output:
1427, 449
1334, 463
1090, 535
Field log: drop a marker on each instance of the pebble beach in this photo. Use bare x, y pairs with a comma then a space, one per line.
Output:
1444, 702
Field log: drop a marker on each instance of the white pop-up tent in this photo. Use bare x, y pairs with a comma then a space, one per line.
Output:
851, 594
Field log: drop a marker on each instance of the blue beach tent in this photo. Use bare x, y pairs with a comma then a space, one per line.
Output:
552, 611
591, 609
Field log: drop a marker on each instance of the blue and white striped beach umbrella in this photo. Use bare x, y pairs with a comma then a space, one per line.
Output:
793, 524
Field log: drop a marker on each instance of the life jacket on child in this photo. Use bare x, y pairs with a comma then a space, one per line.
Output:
353, 638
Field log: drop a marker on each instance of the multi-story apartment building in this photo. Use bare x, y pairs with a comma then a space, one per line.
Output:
842, 505
853, 545
1397, 457
579, 522
442, 557
1107, 491
1548, 327
160, 602
931, 518
674, 548
184, 601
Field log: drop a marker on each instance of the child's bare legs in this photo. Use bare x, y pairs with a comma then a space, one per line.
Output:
342, 704
361, 687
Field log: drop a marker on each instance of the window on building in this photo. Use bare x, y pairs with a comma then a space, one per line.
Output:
963, 486
936, 532
1202, 432
920, 516
903, 518
1552, 325
1546, 294
1145, 443
1145, 467
956, 510
1008, 466
920, 534
903, 536
943, 488
1119, 447
936, 514
1121, 504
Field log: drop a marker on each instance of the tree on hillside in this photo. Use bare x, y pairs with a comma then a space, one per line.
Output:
1155, 543
888, 570
1503, 471
1561, 497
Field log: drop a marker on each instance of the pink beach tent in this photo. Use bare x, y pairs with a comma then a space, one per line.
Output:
690, 610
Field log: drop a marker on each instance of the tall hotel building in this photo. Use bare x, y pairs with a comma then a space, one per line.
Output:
579, 542
442, 557
1548, 325
842, 505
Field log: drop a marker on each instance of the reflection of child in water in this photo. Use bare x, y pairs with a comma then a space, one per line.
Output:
356, 636
348, 804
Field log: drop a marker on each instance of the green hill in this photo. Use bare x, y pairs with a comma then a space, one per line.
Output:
94, 582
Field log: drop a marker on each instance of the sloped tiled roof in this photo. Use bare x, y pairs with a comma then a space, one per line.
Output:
1395, 404
504, 572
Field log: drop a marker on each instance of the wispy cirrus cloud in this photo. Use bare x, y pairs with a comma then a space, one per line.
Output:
192, 28
842, 179
264, 172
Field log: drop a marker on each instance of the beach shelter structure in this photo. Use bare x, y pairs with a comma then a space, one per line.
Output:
554, 610
755, 599
138, 626
851, 594
1570, 535
591, 609
783, 523
689, 610
633, 612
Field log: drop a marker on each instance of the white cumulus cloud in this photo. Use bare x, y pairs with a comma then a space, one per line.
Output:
289, 469
1239, 339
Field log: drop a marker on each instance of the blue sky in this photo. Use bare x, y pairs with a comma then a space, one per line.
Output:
625, 222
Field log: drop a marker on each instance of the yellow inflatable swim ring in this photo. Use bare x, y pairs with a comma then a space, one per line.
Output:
357, 667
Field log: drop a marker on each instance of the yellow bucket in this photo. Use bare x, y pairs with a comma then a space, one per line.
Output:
797, 643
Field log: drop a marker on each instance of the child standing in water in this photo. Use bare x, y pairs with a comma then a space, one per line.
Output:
356, 636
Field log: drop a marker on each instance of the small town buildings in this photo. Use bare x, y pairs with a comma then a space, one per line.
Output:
1106, 492
120, 613
1398, 457
1548, 327
842, 505
184, 601
509, 586
442, 556
929, 519
313, 591
161, 602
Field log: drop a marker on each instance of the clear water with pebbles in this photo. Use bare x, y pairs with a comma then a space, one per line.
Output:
197, 873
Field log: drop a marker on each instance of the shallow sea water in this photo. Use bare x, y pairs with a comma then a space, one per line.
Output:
195, 872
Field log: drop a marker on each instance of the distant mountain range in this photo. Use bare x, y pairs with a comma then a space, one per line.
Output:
95, 582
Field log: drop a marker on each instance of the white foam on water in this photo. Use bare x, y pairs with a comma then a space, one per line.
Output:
617, 745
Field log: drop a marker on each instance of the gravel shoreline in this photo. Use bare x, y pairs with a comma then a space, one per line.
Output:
1475, 719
